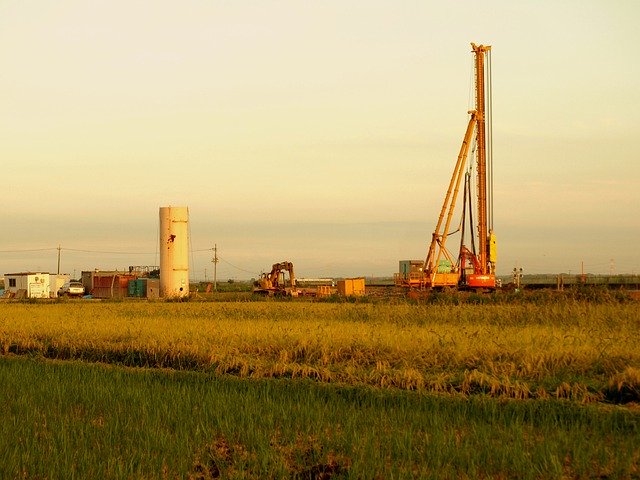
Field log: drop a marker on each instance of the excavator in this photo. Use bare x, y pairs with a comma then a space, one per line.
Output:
273, 283
472, 268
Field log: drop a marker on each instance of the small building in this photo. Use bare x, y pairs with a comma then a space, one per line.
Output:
351, 287
410, 272
27, 285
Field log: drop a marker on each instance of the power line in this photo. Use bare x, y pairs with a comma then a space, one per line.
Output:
73, 250
29, 250
236, 267
109, 252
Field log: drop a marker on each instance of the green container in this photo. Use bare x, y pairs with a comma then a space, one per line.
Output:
136, 288
444, 266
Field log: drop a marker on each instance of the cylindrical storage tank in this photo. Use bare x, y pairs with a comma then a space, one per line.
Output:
174, 251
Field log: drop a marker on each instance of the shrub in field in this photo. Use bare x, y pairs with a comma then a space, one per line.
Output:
443, 298
624, 387
581, 294
595, 294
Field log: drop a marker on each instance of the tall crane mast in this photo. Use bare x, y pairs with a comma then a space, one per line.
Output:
484, 165
481, 155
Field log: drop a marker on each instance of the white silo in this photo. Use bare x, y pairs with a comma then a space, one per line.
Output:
174, 251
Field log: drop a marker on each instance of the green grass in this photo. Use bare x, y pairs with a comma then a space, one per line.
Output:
74, 420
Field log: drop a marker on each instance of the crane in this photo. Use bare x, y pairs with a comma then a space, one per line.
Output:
471, 268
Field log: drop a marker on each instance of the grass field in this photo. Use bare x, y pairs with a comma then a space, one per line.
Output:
547, 388
73, 420
580, 350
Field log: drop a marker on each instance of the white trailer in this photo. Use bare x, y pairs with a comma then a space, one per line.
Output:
27, 284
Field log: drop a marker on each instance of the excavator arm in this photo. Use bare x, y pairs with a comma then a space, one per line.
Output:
274, 283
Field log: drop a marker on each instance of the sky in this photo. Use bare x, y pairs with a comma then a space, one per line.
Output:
322, 133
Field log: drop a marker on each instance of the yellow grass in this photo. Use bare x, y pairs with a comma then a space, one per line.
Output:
568, 350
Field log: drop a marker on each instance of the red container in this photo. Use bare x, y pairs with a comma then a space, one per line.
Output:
110, 285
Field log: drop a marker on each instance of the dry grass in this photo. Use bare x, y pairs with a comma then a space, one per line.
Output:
574, 350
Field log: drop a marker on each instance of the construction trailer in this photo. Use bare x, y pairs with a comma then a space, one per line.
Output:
27, 285
473, 265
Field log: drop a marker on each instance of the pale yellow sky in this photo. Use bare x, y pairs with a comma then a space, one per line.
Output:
319, 132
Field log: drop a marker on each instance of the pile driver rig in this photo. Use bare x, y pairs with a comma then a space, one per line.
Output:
472, 268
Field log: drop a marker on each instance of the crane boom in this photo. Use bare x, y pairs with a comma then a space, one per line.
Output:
434, 274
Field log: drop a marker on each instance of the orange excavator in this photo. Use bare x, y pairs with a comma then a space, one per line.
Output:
472, 268
274, 282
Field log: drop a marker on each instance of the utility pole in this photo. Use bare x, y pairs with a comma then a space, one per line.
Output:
517, 276
59, 259
215, 267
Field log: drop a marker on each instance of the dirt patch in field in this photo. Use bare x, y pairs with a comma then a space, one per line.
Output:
305, 459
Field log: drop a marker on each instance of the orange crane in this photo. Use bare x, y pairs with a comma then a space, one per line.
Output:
470, 268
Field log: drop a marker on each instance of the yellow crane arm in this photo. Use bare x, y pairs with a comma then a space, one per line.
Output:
448, 206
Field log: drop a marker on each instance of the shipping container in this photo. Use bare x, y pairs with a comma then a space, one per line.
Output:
144, 287
445, 266
351, 287
152, 288
134, 288
110, 284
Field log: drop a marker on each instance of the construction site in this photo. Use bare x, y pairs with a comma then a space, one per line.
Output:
461, 254
319, 240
